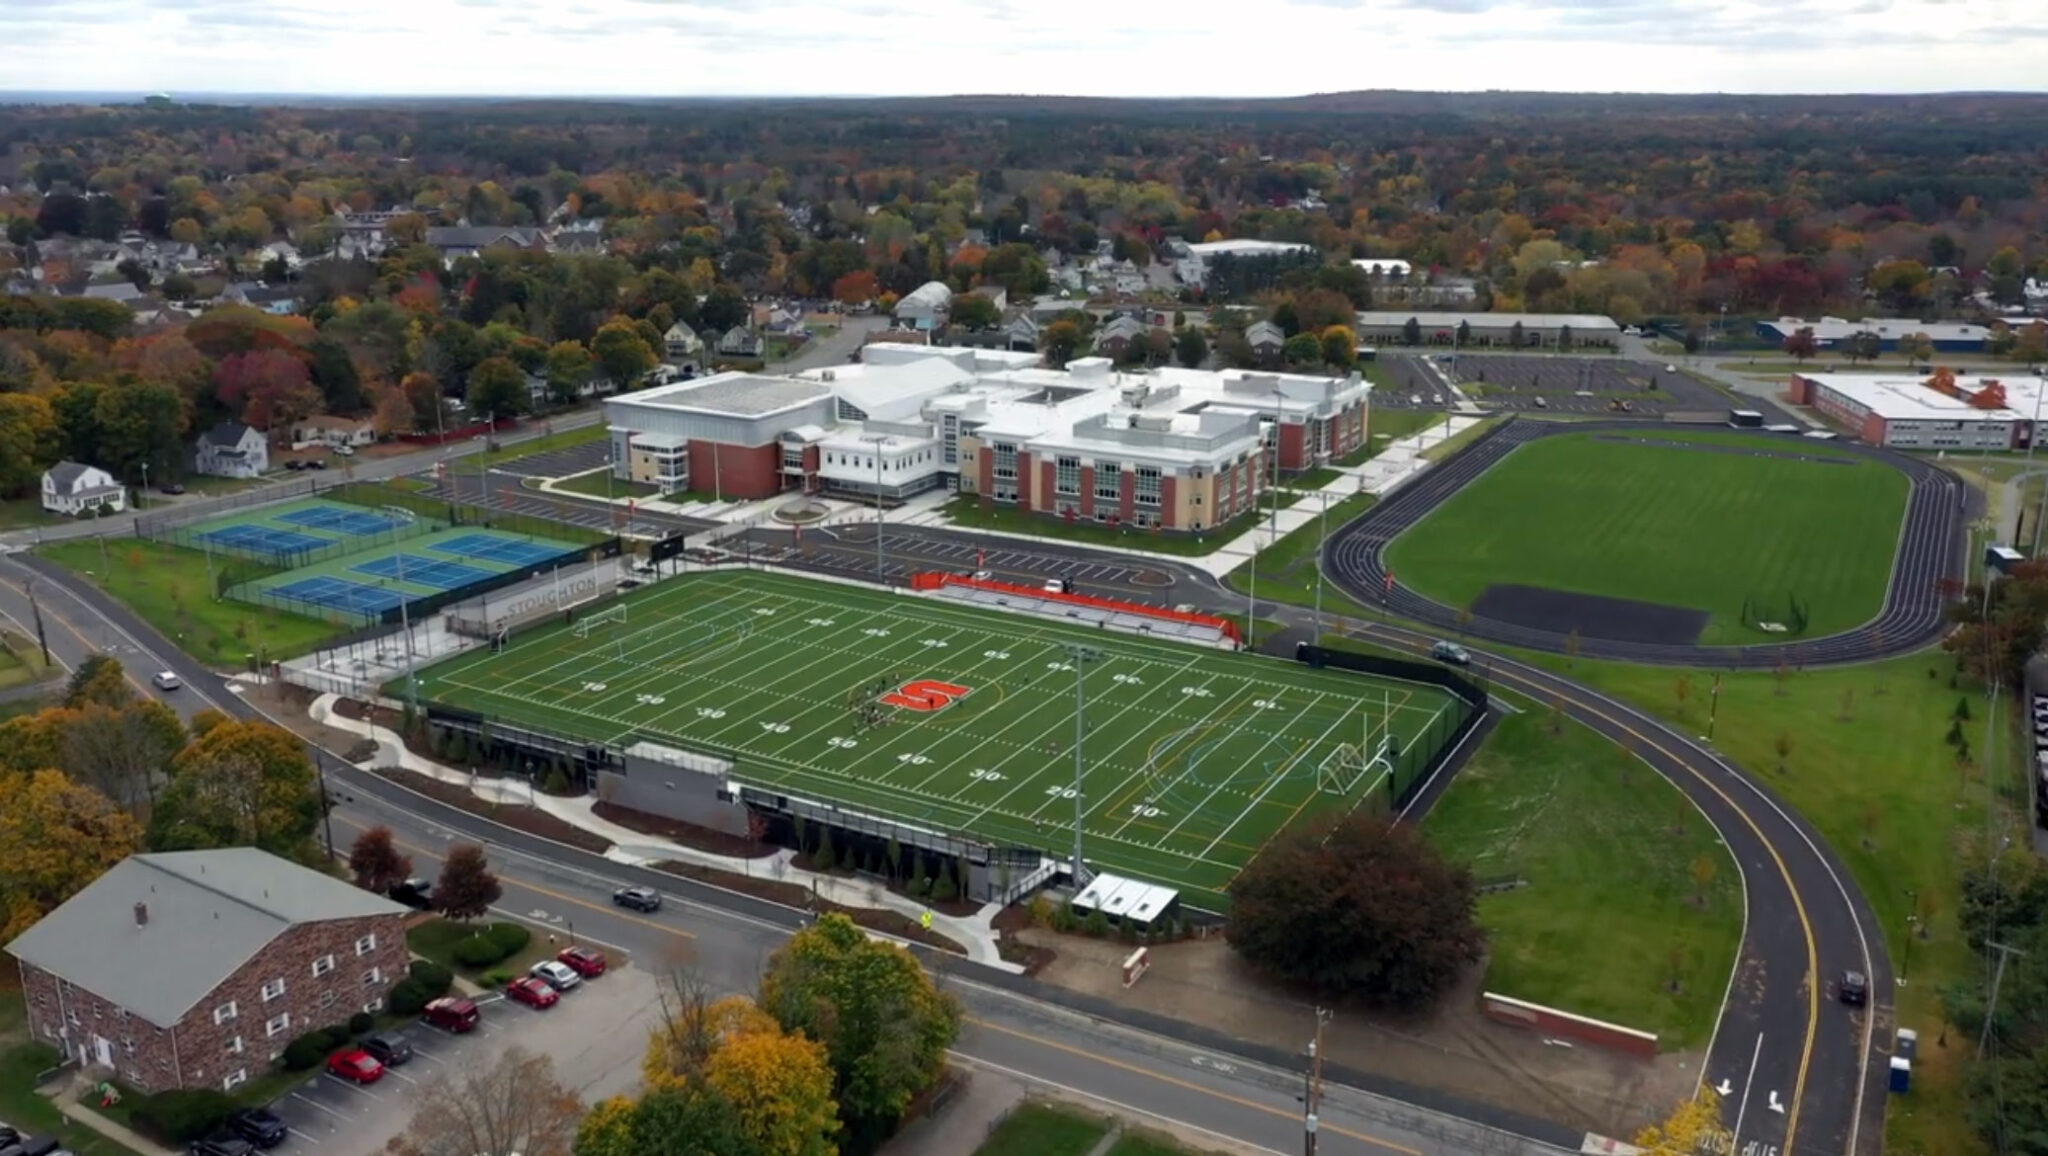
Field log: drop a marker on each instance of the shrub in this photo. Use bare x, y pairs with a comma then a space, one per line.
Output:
497, 977
180, 1116
1097, 924
407, 998
477, 951
306, 1052
557, 783
431, 976
512, 938
337, 1035
361, 1023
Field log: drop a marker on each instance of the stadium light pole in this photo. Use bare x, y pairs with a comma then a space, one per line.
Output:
412, 678
879, 441
1080, 654
1322, 535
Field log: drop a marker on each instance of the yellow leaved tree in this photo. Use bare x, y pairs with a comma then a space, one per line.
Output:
1692, 1128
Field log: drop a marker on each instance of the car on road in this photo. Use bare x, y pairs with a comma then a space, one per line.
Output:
171, 488
13, 1143
295, 465
356, 1066
1855, 989
415, 893
1446, 651
531, 991
391, 1051
559, 976
166, 680
222, 1146
638, 898
587, 961
317, 464
259, 1126
451, 1014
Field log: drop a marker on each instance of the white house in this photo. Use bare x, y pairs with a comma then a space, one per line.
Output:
681, 342
925, 307
333, 432
72, 488
232, 450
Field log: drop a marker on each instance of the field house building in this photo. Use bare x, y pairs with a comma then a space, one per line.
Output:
1175, 448
1914, 412
1834, 332
1539, 330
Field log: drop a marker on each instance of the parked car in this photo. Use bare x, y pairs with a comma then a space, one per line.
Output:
345, 451
391, 1051
415, 893
172, 488
450, 1014
295, 465
559, 976
166, 680
1451, 652
317, 464
222, 1146
356, 1066
259, 1126
638, 898
587, 961
1855, 989
1058, 586
13, 1143
531, 991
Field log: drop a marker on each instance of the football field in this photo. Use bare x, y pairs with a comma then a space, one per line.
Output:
1192, 758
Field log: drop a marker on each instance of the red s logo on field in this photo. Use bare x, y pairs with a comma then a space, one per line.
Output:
925, 694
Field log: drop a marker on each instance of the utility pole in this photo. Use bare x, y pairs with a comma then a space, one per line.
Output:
1080, 654
35, 609
1312, 1097
326, 802
1912, 921
1991, 1007
881, 440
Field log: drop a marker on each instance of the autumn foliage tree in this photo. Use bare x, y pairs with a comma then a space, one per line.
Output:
55, 837
1802, 344
776, 1084
467, 887
243, 783
621, 352
856, 288
376, 862
266, 388
512, 1104
1694, 1126
1357, 907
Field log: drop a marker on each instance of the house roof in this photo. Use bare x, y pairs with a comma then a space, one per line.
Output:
67, 474
203, 915
481, 236
930, 295
227, 435
1259, 331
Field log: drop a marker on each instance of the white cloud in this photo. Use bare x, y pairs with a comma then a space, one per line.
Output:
1078, 47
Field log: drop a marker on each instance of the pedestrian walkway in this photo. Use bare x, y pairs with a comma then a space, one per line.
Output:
69, 1095
964, 1122
975, 933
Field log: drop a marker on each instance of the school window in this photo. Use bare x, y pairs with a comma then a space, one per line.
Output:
1003, 460
278, 1024
235, 1077
1146, 486
272, 990
1108, 481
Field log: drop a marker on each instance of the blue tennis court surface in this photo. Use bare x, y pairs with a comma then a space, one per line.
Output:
325, 590
423, 571
344, 521
243, 536
509, 551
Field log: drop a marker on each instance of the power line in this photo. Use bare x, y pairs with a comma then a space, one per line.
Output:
1991, 1005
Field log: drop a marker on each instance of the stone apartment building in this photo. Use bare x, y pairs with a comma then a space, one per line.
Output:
194, 969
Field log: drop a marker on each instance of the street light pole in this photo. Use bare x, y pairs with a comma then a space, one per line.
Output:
1912, 919
1080, 654
1322, 535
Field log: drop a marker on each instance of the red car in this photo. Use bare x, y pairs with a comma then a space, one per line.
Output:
584, 961
534, 992
356, 1066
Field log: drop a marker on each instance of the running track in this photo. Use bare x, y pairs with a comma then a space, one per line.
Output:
1931, 545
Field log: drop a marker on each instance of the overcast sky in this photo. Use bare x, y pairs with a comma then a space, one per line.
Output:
1067, 47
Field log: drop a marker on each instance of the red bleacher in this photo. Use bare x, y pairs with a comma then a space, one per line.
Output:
936, 581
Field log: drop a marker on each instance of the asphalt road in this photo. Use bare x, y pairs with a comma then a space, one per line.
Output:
1930, 548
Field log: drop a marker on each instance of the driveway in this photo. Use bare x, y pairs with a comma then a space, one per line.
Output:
833, 348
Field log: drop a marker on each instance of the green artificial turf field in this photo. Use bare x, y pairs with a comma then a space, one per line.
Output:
1697, 519
1194, 757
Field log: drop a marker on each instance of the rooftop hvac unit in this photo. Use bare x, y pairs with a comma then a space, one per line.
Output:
828, 375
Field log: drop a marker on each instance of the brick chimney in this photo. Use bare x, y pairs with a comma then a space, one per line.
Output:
141, 914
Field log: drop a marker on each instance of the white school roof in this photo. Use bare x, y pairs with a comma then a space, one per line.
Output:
1123, 898
1896, 397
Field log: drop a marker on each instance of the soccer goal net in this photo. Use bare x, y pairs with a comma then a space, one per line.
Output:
1351, 766
599, 619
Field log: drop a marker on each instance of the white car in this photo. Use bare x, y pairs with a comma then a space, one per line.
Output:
559, 976
165, 680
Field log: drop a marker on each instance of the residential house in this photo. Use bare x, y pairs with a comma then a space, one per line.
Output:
1021, 331
333, 432
231, 450
73, 488
681, 342
123, 291
194, 969
1115, 339
925, 307
786, 322
739, 341
469, 240
997, 295
1266, 339
281, 301
281, 251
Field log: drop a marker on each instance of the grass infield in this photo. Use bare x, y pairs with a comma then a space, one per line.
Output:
1194, 758
1696, 519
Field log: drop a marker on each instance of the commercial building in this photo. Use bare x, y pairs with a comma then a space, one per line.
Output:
194, 969
1534, 330
1932, 412
1177, 448
1832, 332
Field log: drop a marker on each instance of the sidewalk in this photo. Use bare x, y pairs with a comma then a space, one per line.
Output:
68, 1095
964, 1123
974, 932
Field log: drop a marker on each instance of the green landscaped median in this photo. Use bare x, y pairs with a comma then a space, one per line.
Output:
1036, 1129
1739, 527
967, 512
169, 588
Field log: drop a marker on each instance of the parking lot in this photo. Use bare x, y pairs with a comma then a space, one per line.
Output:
560, 463
596, 1036
905, 551
1604, 386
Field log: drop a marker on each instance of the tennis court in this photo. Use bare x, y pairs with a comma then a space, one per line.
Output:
423, 571
346, 521
495, 548
263, 539
340, 593
294, 534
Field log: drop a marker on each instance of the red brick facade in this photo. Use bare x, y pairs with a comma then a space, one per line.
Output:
735, 472
1294, 453
199, 1052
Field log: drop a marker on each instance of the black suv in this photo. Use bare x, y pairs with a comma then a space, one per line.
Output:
638, 898
1855, 989
222, 1146
391, 1051
259, 1126
414, 893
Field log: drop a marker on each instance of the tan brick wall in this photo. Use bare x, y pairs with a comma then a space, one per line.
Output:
198, 1052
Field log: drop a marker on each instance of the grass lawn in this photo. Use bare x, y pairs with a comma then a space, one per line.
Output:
599, 483
1692, 520
1143, 1143
1437, 451
506, 453
21, 1060
1287, 570
18, 513
21, 661
1036, 1129
168, 587
1310, 480
1385, 426
967, 512
436, 940
1867, 764
1611, 922
1200, 755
